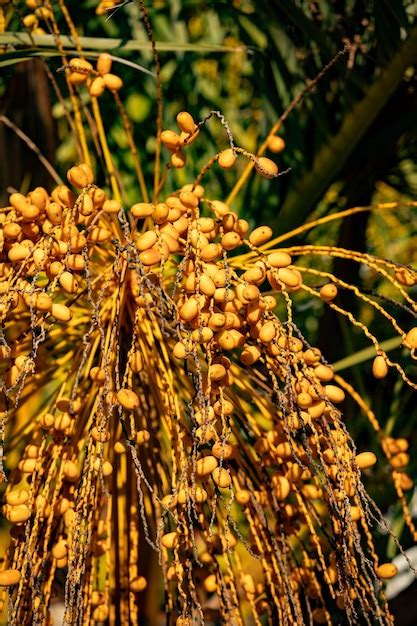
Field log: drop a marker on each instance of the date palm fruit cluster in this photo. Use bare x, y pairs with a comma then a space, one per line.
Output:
163, 412
160, 389
97, 80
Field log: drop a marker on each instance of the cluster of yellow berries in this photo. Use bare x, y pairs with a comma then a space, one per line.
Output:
194, 289
40, 13
176, 143
38, 238
81, 72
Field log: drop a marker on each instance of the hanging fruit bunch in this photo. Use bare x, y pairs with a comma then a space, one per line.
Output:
162, 404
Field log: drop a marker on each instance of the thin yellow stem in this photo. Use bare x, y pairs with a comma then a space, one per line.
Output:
77, 115
106, 152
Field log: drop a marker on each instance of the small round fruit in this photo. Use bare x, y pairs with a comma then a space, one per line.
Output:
227, 158
387, 571
276, 144
266, 167
186, 122
379, 367
365, 460
128, 399
9, 577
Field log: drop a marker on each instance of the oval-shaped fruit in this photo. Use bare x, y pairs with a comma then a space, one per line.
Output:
387, 571
47, 420
113, 82
210, 583
223, 450
243, 496
334, 394
379, 367
267, 332
98, 374
255, 275
328, 292
9, 577
282, 487
170, 139
70, 471
207, 286
30, 213
217, 371
186, 122
11, 230
138, 584
210, 252
220, 208
104, 63
230, 241
250, 355
227, 158
288, 276
98, 234
266, 167
260, 235
146, 240
364, 460
406, 277
18, 253
68, 282
279, 259
225, 340
251, 293
400, 460
411, 339
77, 78
180, 351
27, 466
206, 465
160, 213
150, 257
189, 310
18, 201
61, 312
80, 64
304, 400
100, 613
18, 496
18, 514
189, 199
142, 210
60, 549
221, 477
142, 436
178, 159
80, 175
202, 334
128, 399
276, 144
97, 87
169, 540
111, 206
324, 373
